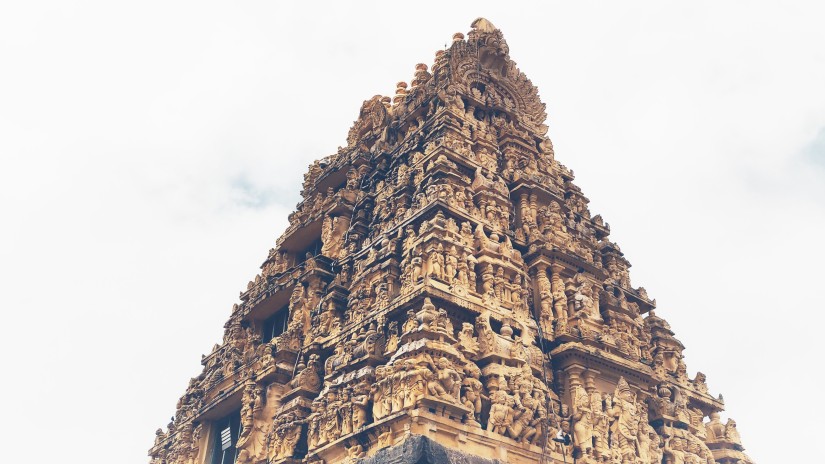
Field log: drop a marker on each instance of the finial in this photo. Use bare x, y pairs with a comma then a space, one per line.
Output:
421, 75
483, 25
400, 92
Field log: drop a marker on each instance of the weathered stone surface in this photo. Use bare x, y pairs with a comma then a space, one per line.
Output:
443, 294
421, 450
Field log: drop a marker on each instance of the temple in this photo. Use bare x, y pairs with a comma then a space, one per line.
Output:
443, 294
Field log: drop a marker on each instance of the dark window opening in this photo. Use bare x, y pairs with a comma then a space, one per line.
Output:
227, 430
275, 325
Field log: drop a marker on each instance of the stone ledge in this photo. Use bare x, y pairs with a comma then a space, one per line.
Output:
418, 449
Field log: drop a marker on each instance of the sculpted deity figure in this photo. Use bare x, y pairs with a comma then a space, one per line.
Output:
467, 343
501, 412
331, 422
355, 453
731, 433
392, 337
699, 382
443, 323
487, 283
546, 316
626, 425
674, 451
411, 323
417, 266
446, 381
335, 360
251, 439
390, 390
314, 424
473, 391
283, 437
451, 266
467, 234
345, 412
582, 420
486, 336
583, 303
451, 97
377, 390
601, 422
382, 295
434, 261
559, 299
415, 384
499, 284
463, 270
360, 403
655, 447
644, 441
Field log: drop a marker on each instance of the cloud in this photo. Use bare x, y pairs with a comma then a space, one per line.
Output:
245, 193
815, 151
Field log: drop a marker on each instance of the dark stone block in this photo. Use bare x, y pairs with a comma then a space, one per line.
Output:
418, 449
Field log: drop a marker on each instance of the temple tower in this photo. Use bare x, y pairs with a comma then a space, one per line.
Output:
443, 293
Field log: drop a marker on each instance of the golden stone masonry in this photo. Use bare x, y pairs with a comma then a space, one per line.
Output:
443, 294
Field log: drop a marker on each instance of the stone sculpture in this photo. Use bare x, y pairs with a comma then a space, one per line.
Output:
443, 277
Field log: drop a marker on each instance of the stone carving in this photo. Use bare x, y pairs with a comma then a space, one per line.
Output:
443, 276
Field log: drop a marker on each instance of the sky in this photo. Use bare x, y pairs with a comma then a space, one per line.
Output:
151, 151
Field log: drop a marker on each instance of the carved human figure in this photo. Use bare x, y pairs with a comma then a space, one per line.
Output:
487, 283
524, 423
434, 261
360, 403
415, 384
731, 433
377, 391
409, 238
473, 391
392, 337
314, 425
446, 383
345, 412
583, 303
284, 437
559, 299
674, 451
654, 447
467, 343
331, 423
582, 420
501, 412
546, 315
463, 271
451, 265
626, 423
417, 264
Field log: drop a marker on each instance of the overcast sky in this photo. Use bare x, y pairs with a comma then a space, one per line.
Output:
152, 150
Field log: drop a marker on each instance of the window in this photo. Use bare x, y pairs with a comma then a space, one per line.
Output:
226, 437
275, 325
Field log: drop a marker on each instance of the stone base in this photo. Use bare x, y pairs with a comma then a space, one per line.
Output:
417, 449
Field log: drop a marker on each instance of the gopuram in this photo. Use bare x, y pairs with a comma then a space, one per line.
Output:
443, 294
